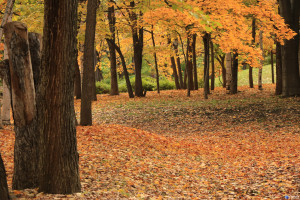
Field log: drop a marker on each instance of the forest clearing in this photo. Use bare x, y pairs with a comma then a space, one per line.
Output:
169, 146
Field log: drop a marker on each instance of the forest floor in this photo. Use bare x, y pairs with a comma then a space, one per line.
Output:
169, 146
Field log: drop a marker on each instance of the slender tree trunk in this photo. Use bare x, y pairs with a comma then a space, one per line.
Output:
114, 90
228, 71
88, 65
195, 62
175, 45
189, 67
4, 194
253, 43
272, 66
56, 116
185, 60
278, 90
206, 39
173, 64
155, 60
212, 86
234, 73
128, 84
261, 62
289, 10
94, 92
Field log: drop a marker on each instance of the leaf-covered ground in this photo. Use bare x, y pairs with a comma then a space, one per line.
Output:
168, 146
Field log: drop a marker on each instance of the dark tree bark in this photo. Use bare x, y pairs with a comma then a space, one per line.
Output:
128, 84
88, 79
114, 90
35, 41
278, 90
173, 64
206, 39
253, 43
234, 73
23, 106
56, 122
212, 84
189, 66
221, 60
195, 62
175, 46
138, 40
4, 194
155, 60
289, 10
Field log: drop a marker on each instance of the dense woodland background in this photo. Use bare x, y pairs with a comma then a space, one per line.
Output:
211, 109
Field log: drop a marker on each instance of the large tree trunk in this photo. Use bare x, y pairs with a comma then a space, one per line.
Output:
253, 43
289, 10
234, 74
4, 194
58, 148
175, 45
24, 106
261, 62
195, 62
206, 39
88, 65
155, 60
128, 84
278, 90
114, 90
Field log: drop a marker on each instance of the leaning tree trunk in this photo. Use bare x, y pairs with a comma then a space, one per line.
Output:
114, 90
23, 105
290, 10
175, 46
173, 64
155, 60
221, 60
58, 146
234, 74
128, 84
4, 194
88, 65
